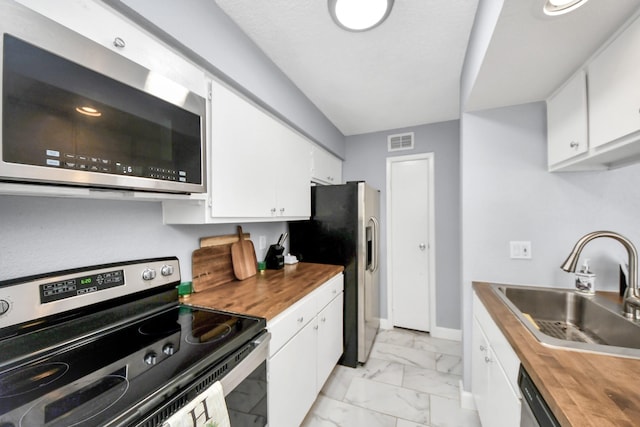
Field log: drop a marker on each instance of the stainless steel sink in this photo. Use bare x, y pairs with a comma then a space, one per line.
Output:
565, 318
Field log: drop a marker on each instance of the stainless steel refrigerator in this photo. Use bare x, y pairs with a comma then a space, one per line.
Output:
344, 230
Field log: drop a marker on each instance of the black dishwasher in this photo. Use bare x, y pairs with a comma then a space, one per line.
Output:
535, 411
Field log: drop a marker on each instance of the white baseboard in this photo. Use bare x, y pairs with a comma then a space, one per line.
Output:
466, 398
436, 332
446, 333
385, 324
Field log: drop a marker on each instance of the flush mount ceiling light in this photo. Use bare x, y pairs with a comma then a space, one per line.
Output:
558, 7
88, 111
359, 15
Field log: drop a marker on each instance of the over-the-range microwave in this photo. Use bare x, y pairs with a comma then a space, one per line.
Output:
75, 113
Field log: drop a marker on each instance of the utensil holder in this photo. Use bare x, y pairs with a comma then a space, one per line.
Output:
274, 257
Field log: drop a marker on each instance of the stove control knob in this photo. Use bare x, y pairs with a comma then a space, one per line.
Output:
151, 358
166, 270
148, 274
168, 349
4, 306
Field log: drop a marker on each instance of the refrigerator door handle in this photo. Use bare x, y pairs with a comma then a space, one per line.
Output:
376, 226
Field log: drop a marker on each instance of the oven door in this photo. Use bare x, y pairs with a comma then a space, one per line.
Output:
243, 376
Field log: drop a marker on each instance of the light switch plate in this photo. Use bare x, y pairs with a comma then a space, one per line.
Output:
520, 249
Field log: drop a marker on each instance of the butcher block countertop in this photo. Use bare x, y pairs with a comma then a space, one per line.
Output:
268, 293
582, 389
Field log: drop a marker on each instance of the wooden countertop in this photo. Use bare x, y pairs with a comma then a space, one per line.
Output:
582, 389
268, 293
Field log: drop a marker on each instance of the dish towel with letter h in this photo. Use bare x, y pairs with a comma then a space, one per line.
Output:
207, 410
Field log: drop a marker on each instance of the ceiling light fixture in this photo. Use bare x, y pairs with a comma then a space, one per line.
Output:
559, 7
359, 15
88, 111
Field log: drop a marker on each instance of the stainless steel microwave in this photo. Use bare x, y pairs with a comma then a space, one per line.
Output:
75, 113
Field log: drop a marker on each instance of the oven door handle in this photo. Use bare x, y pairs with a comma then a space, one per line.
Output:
257, 356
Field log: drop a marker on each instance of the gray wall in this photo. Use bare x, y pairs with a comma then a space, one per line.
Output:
366, 160
507, 194
216, 42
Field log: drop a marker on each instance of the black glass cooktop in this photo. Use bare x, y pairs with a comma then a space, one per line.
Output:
96, 379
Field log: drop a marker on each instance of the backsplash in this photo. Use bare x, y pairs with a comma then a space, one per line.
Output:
43, 234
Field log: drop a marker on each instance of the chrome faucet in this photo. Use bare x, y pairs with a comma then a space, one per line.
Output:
632, 293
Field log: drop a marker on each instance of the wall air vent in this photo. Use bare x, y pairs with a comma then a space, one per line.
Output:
402, 141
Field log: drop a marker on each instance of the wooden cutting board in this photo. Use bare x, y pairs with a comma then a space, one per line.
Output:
243, 256
211, 265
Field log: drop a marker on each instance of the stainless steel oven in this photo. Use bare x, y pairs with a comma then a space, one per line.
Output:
111, 345
75, 113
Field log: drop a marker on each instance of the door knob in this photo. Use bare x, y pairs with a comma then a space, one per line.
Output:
422, 246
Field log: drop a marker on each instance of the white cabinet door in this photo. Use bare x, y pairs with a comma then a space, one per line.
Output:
329, 339
502, 404
567, 121
480, 371
614, 89
496, 402
293, 189
494, 367
325, 167
242, 178
292, 379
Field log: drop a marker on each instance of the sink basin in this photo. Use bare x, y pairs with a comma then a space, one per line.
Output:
565, 318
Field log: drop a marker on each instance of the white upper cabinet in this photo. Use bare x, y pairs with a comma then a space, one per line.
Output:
613, 109
567, 121
325, 167
259, 169
614, 89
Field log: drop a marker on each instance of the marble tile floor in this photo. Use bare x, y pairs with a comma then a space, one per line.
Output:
410, 380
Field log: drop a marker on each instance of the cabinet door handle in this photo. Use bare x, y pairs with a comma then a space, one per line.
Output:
324, 319
482, 348
574, 144
119, 43
315, 327
300, 319
487, 359
281, 211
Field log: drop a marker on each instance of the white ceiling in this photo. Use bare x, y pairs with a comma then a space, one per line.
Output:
407, 71
531, 54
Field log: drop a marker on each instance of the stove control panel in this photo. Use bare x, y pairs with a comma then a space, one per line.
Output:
33, 297
80, 285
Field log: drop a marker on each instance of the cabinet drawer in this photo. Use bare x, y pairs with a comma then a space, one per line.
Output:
328, 291
285, 325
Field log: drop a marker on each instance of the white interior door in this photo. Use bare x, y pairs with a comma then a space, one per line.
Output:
410, 240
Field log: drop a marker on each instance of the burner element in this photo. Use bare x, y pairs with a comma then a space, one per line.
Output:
24, 380
77, 402
208, 333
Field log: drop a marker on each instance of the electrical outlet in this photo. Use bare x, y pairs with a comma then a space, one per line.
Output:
520, 249
262, 242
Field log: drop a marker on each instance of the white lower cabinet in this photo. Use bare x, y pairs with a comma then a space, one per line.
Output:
329, 346
494, 372
292, 379
306, 343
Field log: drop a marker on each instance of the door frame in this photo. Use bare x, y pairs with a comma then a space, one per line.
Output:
431, 241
